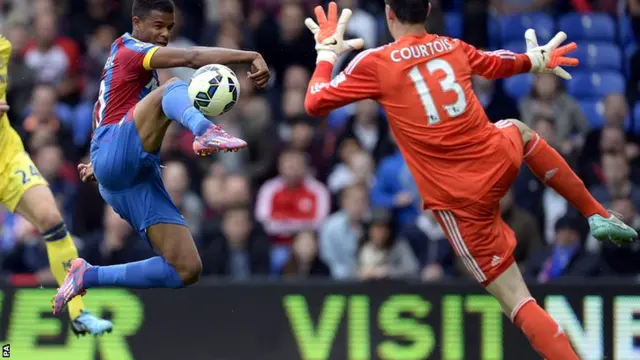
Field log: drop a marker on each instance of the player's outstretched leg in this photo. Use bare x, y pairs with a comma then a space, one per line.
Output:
38, 206
544, 334
209, 137
179, 265
549, 166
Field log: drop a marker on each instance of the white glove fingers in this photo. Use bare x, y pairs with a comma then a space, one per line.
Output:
311, 25
562, 73
353, 44
342, 22
557, 40
531, 39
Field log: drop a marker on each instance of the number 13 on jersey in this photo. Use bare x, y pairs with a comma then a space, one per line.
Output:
447, 84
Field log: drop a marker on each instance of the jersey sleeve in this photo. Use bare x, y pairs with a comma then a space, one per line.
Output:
358, 81
138, 54
495, 64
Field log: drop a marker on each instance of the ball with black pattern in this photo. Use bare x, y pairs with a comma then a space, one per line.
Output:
214, 89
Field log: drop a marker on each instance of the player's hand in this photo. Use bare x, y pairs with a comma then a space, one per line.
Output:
259, 73
4, 107
329, 33
86, 173
549, 58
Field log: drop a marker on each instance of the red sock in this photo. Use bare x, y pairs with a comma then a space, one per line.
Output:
549, 166
544, 334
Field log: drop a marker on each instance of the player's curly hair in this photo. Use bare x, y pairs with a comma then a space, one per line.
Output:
142, 8
410, 11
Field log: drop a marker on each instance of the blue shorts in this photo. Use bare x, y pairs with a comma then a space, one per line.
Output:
130, 179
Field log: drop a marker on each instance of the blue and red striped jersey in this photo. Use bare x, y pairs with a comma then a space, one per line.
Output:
126, 79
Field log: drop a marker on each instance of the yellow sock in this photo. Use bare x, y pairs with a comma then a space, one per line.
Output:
61, 250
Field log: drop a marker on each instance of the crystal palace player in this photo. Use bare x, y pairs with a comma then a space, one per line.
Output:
131, 117
461, 162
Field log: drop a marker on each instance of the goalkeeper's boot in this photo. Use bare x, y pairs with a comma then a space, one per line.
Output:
216, 139
86, 323
72, 285
612, 229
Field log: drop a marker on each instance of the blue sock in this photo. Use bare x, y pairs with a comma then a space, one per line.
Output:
177, 106
145, 274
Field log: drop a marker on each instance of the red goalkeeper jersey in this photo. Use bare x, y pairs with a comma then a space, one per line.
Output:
424, 84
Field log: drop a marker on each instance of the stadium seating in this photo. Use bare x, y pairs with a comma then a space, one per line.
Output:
593, 27
594, 111
513, 27
595, 85
636, 117
518, 86
629, 51
599, 56
453, 22
517, 46
626, 32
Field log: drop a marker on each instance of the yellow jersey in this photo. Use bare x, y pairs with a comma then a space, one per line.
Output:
8, 136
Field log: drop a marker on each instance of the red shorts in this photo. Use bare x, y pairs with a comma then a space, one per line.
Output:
477, 233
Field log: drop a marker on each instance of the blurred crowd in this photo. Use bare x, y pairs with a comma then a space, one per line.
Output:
311, 197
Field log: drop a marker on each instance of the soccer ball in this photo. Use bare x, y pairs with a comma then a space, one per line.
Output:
214, 89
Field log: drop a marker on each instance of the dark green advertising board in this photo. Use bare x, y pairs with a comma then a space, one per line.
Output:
319, 321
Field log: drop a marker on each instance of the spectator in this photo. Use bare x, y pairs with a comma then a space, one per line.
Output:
362, 24
213, 195
394, 189
286, 43
47, 115
53, 58
624, 260
176, 180
237, 190
547, 99
61, 176
22, 78
24, 252
607, 138
259, 134
305, 261
341, 232
496, 103
524, 226
117, 243
430, 246
290, 203
359, 169
90, 15
382, 255
304, 137
617, 184
296, 78
508, 7
236, 246
369, 128
567, 256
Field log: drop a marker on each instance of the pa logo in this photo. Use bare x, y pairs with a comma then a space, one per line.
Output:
6, 351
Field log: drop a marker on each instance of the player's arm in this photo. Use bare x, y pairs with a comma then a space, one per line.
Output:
357, 82
495, 64
538, 59
196, 57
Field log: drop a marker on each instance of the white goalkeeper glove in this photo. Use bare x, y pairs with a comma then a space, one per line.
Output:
329, 33
549, 58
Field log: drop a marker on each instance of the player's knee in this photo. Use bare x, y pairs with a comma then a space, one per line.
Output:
526, 132
190, 271
173, 80
48, 220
